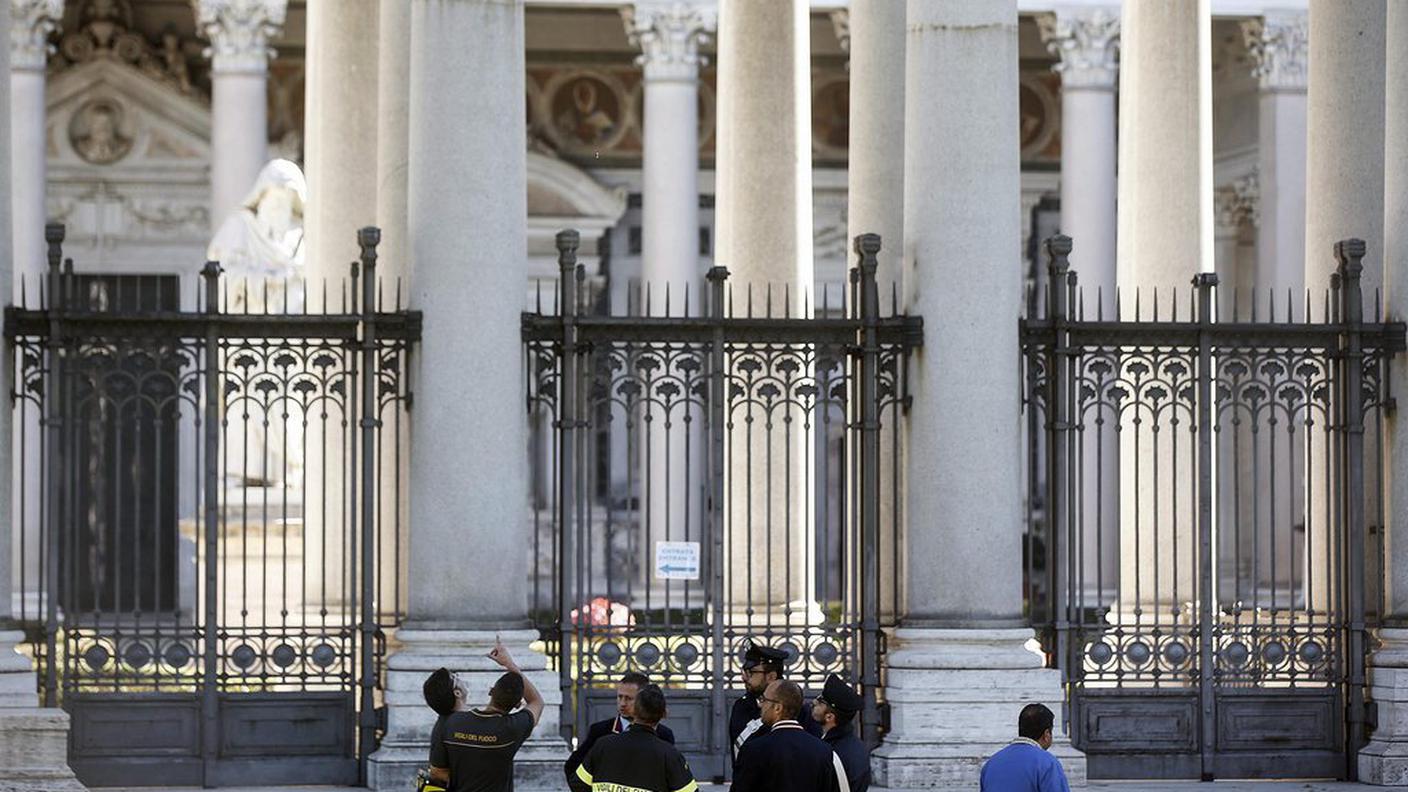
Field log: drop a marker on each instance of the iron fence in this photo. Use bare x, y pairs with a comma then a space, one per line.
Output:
717, 468
1207, 517
210, 529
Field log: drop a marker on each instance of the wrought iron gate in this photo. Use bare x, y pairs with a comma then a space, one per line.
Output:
1206, 535
209, 520
710, 470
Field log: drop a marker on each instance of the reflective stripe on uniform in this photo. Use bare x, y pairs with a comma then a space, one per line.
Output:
690, 787
845, 783
583, 774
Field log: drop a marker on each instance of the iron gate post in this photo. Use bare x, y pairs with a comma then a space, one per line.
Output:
567, 242
1204, 282
209, 693
54, 395
1350, 253
367, 240
1060, 525
866, 247
718, 415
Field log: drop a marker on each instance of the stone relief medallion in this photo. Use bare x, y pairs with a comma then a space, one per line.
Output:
831, 116
587, 111
1040, 116
96, 132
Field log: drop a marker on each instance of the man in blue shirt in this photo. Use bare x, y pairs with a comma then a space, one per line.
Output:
1025, 765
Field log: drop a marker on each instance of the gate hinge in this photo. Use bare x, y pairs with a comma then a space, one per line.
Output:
1371, 715
381, 718
884, 709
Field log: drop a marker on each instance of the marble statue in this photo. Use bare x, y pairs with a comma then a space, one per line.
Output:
260, 250
260, 244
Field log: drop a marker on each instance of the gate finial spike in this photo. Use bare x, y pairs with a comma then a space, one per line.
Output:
1349, 253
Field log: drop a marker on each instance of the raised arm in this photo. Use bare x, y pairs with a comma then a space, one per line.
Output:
532, 699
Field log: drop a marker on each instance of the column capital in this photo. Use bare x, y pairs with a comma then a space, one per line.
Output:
1238, 203
239, 32
669, 35
1088, 41
1279, 46
31, 24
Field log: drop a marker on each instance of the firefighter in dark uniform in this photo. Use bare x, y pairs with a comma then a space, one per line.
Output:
630, 686
786, 758
637, 759
762, 665
835, 709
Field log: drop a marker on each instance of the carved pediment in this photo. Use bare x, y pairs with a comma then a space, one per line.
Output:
106, 117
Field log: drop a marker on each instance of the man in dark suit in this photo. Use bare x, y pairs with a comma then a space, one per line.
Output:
762, 665
626, 691
786, 758
835, 709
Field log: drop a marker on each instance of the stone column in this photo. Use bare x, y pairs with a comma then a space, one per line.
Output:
340, 161
1385, 759
1087, 42
1165, 238
393, 113
239, 33
33, 739
763, 222
958, 671
467, 232
669, 35
1345, 174
873, 34
340, 133
393, 266
32, 22
1279, 46
875, 171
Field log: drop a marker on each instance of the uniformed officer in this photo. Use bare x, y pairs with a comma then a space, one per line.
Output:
835, 709
762, 665
786, 758
637, 759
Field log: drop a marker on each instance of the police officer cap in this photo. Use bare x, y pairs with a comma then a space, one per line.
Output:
839, 696
759, 655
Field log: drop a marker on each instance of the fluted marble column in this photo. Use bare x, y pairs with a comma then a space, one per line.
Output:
1385, 759
1087, 42
957, 668
239, 32
669, 34
467, 231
